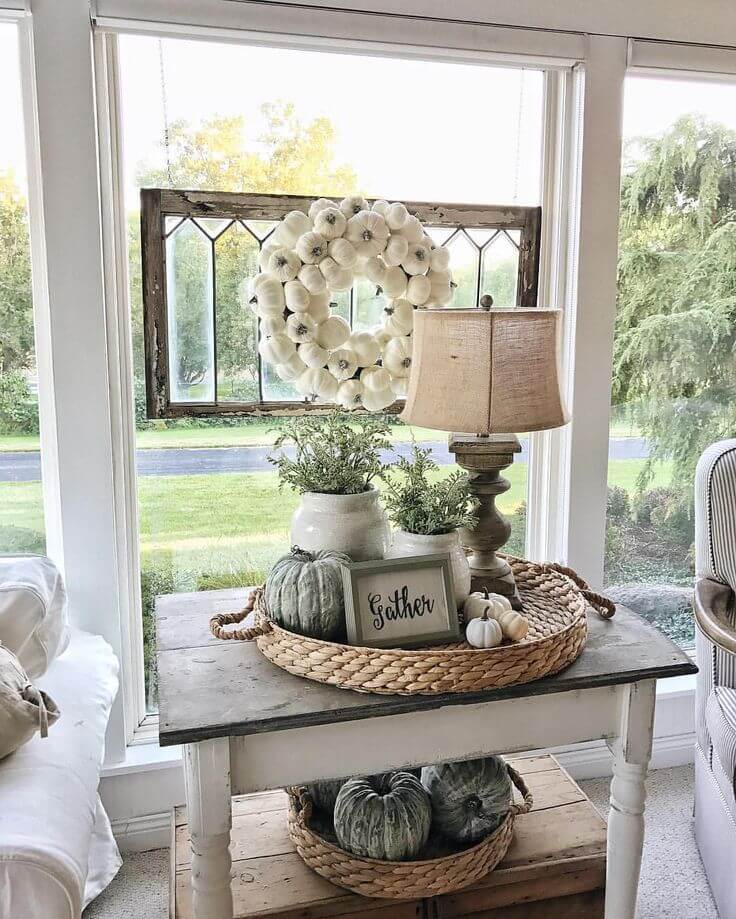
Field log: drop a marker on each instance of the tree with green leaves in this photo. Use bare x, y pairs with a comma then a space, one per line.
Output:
674, 353
16, 304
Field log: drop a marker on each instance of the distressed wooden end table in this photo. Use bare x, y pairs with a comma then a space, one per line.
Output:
248, 726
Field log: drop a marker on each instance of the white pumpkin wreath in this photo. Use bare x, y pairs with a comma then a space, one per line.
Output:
310, 257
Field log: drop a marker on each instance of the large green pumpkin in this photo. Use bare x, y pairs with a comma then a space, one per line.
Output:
469, 799
385, 817
304, 593
324, 794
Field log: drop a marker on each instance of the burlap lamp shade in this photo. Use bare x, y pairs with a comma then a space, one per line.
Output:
487, 374
485, 371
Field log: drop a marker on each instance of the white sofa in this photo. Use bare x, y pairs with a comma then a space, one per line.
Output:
57, 851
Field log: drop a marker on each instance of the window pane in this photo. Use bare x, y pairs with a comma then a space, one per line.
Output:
21, 505
674, 376
211, 512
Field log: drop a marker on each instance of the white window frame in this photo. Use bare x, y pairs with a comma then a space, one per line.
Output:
114, 231
82, 323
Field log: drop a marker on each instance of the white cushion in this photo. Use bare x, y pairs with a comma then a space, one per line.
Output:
33, 615
48, 794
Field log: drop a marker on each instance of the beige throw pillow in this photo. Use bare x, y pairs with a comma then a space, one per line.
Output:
24, 709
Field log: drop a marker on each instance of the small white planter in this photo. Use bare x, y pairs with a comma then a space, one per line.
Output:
353, 524
419, 544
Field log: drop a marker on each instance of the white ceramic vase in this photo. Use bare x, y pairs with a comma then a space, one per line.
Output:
353, 524
404, 543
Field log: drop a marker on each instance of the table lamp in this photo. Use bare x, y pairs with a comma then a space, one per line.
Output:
487, 374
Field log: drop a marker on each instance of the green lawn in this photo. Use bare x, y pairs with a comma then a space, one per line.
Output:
257, 433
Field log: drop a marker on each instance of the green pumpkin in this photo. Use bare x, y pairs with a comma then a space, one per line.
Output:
304, 593
385, 817
324, 794
469, 799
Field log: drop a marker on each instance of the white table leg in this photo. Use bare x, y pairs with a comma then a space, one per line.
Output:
631, 749
209, 811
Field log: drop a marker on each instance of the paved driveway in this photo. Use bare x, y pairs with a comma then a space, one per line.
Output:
26, 466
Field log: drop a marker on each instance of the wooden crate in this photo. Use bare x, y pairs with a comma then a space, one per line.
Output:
556, 865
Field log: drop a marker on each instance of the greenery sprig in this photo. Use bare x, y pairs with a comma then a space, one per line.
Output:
418, 505
332, 456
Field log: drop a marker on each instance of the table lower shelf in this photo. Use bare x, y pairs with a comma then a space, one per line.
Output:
555, 867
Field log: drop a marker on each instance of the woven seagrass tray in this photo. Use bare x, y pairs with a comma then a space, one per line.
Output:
555, 602
401, 880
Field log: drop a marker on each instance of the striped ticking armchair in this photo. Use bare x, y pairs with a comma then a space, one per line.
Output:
715, 697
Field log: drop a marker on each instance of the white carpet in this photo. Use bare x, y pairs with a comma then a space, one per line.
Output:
672, 885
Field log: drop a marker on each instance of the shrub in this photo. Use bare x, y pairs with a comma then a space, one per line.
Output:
18, 409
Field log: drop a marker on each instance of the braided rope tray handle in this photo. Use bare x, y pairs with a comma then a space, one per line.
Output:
602, 605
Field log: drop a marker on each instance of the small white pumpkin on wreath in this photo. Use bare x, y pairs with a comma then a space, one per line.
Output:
308, 258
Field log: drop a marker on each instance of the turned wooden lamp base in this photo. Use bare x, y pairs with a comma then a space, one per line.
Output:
483, 457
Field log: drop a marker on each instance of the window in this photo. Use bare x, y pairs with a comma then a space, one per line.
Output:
240, 118
21, 504
674, 372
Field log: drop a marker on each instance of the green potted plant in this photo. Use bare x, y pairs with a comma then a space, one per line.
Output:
332, 464
428, 512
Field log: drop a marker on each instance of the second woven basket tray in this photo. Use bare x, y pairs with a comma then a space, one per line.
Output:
401, 880
555, 601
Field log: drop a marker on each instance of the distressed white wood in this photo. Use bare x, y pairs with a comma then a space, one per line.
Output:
273, 760
593, 267
632, 748
209, 809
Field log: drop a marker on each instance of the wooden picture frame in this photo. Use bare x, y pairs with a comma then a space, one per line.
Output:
386, 602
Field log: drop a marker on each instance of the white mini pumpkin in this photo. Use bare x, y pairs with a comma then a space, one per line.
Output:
333, 332
417, 259
377, 400
313, 355
380, 207
342, 364
397, 356
418, 289
312, 278
365, 347
311, 248
394, 283
297, 296
291, 369
300, 327
396, 216
319, 205
382, 335
330, 222
343, 252
412, 229
374, 269
368, 232
439, 259
273, 325
375, 378
483, 633
396, 250
278, 349
353, 205
269, 296
266, 252
294, 224
319, 306
398, 317
337, 277
350, 394
317, 384
284, 264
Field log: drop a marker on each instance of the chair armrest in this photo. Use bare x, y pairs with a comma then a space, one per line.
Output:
713, 602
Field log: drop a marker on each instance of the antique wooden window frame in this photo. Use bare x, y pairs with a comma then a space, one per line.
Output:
158, 204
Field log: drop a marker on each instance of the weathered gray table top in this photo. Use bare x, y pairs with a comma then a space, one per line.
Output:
211, 688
